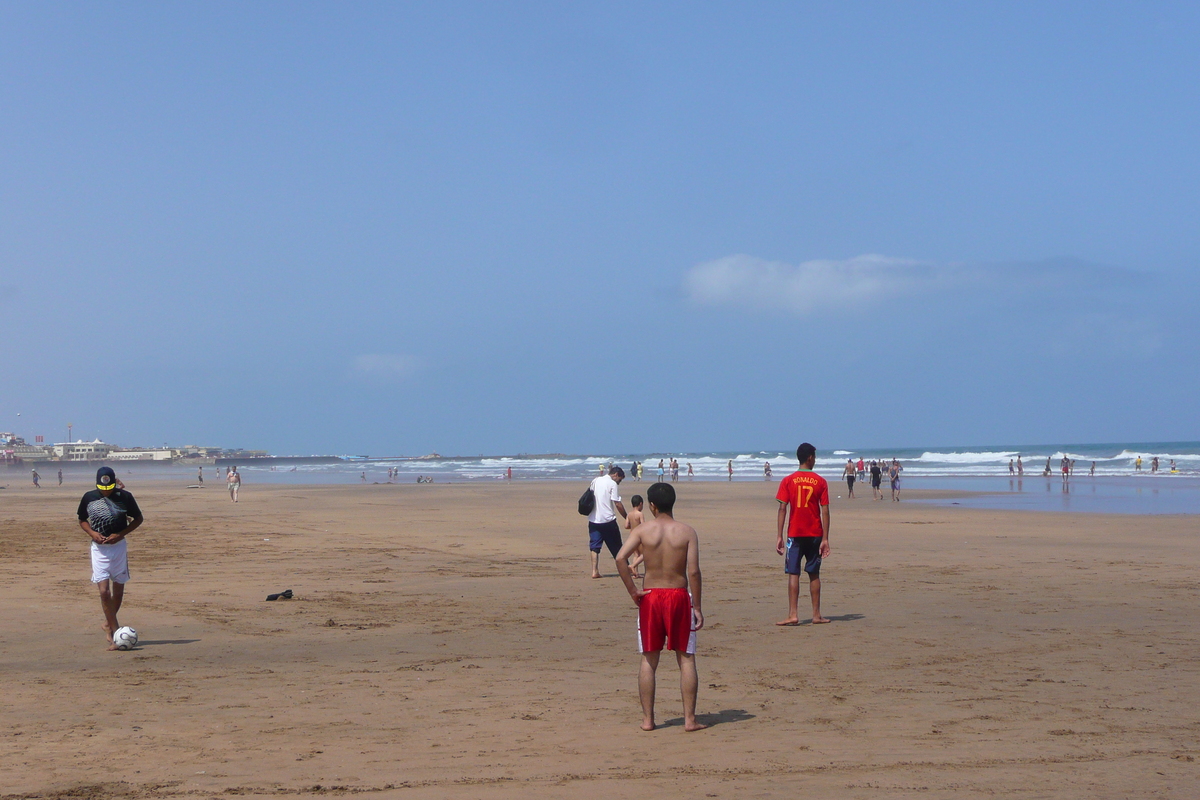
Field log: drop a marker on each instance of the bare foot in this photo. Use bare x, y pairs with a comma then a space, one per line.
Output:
108, 632
113, 647
647, 726
597, 575
790, 621
693, 726
821, 621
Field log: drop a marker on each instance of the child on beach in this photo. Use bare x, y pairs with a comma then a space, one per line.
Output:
634, 519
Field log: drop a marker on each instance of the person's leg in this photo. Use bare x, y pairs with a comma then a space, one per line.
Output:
108, 607
595, 542
689, 684
814, 593
595, 563
646, 688
793, 617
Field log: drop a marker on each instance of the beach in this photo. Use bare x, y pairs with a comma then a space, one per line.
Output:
445, 640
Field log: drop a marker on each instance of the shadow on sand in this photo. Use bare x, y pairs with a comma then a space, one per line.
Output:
153, 642
712, 720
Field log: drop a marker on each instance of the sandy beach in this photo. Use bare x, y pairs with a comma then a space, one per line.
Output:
446, 641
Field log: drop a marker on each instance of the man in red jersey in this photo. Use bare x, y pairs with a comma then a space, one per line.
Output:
807, 495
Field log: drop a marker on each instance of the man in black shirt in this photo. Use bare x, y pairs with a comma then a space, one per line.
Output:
108, 514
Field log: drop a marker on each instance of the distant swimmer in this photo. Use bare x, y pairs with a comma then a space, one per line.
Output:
669, 610
234, 482
876, 480
1137, 465
804, 509
1093, 470
602, 522
849, 473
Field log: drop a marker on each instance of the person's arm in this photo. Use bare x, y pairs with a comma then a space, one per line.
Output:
620, 509
824, 531
629, 548
695, 587
97, 538
780, 521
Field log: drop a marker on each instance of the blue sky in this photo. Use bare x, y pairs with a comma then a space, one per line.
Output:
497, 228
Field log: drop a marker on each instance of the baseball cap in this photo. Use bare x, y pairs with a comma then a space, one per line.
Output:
106, 478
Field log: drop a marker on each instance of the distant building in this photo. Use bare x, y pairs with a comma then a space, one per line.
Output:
156, 454
81, 451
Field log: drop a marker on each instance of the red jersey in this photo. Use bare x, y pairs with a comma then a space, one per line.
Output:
805, 492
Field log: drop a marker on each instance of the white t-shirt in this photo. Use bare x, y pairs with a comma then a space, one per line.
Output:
606, 494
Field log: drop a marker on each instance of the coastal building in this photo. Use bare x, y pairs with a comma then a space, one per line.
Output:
156, 454
95, 450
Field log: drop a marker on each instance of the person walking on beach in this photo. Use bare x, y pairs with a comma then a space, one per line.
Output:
602, 522
876, 480
669, 609
60, 477
804, 508
37, 478
691, 472
894, 475
849, 473
200, 476
729, 466
107, 514
634, 519
234, 481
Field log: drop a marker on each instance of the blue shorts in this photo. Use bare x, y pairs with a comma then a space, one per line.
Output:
806, 547
604, 533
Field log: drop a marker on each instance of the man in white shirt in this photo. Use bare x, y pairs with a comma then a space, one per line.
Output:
603, 529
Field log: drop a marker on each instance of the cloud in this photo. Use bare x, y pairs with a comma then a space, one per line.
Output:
743, 280
385, 366
869, 280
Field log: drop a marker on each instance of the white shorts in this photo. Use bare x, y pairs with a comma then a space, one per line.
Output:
110, 561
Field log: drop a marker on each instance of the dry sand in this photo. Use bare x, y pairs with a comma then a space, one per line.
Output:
446, 641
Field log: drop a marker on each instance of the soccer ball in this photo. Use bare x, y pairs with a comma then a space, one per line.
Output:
125, 638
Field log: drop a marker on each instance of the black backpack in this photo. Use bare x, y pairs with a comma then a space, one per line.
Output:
587, 502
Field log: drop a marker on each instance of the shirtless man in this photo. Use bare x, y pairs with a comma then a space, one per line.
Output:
234, 481
668, 602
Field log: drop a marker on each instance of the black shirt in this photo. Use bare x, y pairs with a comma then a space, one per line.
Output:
109, 514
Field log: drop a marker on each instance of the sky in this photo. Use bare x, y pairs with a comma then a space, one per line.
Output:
395, 229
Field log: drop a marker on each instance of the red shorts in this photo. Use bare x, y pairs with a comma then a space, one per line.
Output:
665, 616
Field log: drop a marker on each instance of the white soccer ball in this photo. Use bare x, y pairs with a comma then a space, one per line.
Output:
125, 638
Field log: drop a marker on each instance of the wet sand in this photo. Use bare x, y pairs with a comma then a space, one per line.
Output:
446, 641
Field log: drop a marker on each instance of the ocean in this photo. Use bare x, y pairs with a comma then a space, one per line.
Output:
1117, 485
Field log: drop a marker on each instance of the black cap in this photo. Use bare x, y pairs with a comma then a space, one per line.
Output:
106, 478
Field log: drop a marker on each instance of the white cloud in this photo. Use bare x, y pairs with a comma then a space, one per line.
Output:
385, 366
748, 281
